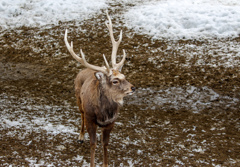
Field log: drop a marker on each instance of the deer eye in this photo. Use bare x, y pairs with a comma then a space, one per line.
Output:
115, 82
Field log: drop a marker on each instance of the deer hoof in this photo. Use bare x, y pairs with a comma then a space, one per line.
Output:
80, 141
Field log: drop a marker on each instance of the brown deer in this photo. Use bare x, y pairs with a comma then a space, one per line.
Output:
99, 92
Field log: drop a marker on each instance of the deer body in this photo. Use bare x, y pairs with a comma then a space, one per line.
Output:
99, 92
95, 99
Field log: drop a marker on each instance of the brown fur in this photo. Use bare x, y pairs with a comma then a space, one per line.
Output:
99, 101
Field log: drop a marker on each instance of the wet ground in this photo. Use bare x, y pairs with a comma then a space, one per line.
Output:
185, 111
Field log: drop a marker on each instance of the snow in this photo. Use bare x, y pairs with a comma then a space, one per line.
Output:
17, 13
160, 19
190, 98
48, 122
186, 18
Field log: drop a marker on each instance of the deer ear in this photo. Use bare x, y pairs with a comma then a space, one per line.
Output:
99, 75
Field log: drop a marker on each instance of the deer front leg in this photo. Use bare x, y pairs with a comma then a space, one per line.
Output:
92, 129
105, 140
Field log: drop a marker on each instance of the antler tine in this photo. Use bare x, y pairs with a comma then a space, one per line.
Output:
82, 60
114, 42
120, 64
105, 70
70, 48
107, 65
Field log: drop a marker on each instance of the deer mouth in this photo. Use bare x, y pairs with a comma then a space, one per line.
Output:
130, 93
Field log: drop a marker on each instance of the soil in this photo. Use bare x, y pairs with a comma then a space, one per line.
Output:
36, 81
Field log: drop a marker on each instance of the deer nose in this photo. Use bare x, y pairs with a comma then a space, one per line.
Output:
133, 88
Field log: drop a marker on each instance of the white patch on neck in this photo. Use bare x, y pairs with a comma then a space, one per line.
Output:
120, 102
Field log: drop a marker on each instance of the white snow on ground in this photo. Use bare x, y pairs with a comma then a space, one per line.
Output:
186, 18
16, 13
48, 121
212, 53
188, 98
165, 18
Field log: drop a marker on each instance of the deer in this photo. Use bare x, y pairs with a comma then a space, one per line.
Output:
99, 92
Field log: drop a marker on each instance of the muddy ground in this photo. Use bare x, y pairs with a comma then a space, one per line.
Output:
185, 111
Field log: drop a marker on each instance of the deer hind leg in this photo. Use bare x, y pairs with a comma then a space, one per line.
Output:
82, 131
105, 140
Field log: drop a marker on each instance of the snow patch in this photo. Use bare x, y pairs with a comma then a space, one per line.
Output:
186, 19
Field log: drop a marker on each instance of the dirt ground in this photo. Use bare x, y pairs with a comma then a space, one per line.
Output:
184, 113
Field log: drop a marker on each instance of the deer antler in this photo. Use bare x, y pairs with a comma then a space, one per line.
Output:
105, 70
115, 46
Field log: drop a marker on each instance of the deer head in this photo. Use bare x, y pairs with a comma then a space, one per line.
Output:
112, 79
